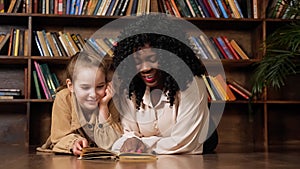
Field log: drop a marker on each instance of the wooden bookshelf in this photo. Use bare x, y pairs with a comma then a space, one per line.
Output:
239, 125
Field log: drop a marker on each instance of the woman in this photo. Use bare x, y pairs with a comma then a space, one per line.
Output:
162, 100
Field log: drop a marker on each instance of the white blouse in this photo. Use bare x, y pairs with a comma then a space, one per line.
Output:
181, 128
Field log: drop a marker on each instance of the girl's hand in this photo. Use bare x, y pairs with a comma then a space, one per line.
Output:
78, 145
109, 93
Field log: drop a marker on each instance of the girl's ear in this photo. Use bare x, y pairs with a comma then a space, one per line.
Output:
69, 85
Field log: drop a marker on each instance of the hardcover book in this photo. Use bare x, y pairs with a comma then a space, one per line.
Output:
90, 153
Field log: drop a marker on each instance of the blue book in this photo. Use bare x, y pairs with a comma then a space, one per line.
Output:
224, 13
68, 5
97, 7
199, 46
213, 8
110, 8
225, 48
134, 7
201, 4
38, 44
72, 7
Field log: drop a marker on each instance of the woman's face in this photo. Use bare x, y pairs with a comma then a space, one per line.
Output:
89, 87
147, 66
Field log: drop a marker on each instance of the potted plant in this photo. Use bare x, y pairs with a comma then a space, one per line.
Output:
282, 48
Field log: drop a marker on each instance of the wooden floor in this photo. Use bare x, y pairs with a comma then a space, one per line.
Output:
14, 157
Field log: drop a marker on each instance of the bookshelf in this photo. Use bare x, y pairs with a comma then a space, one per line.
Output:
239, 126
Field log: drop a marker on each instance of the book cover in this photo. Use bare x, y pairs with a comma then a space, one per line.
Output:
110, 7
226, 89
43, 43
214, 88
4, 40
36, 85
90, 153
47, 43
10, 44
48, 77
38, 43
11, 6
208, 46
239, 87
42, 80
203, 7
220, 88
21, 43
52, 45
104, 46
222, 9
224, 47
198, 47
213, 8
232, 51
58, 45
114, 8
238, 49
209, 89
238, 91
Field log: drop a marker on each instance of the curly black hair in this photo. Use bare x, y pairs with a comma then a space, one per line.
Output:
156, 35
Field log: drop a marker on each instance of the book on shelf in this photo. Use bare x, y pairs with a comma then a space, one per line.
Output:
232, 51
2, 6
238, 88
10, 93
209, 89
36, 85
223, 47
229, 94
11, 6
42, 80
238, 49
90, 153
4, 40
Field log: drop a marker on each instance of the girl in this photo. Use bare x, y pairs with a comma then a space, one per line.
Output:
82, 113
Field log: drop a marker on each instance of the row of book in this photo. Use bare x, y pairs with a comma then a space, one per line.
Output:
59, 43
45, 81
92, 7
283, 9
14, 6
210, 8
10, 93
219, 89
223, 47
179, 8
67, 44
13, 42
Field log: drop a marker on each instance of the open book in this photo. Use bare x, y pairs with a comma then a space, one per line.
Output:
90, 153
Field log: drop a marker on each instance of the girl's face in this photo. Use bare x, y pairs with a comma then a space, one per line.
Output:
89, 87
147, 66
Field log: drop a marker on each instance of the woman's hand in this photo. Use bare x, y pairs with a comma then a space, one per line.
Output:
133, 145
78, 145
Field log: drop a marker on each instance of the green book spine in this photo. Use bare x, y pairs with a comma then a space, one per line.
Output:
36, 84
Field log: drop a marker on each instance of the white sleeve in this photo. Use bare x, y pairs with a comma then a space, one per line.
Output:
190, 130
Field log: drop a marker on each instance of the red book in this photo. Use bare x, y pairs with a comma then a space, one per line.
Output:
220, 48
238, 91
211, 13
233, 52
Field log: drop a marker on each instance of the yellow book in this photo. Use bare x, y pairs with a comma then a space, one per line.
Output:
104, 46
16, 43
90, 153
220, 88
237, 48
211, 93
